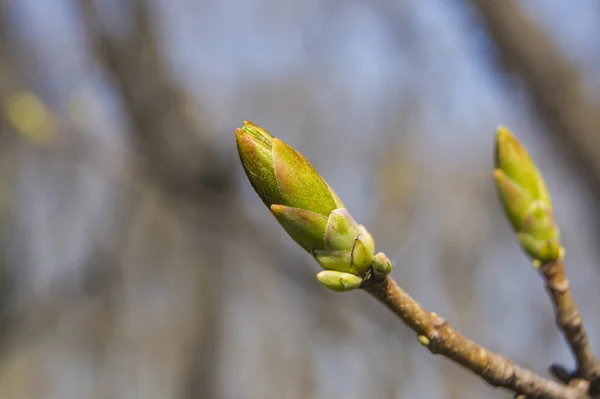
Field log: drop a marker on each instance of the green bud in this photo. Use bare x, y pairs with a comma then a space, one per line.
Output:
424, 341
339, 281
300, 185
539, 222
341, 230
525, 199
305, 206
381, 266
542, 251
512, 158
306, 228
355, 260
280, 175
340, 261
255, 147
367, 238
515, 200
362, 255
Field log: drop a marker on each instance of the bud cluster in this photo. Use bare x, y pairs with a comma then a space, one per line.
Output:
309, 210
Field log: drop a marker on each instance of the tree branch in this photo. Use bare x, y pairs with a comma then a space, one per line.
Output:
569, 320
440, 338
558, 93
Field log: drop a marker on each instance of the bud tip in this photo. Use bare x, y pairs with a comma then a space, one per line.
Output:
502, 132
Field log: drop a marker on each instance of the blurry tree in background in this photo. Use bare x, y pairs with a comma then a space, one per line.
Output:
137, 263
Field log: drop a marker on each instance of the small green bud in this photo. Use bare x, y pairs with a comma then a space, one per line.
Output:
339, 281
542, 251
355, 260
423, 340
367, 238
525, 199
362, 255
340, 261
381, 266
305, 227
341, 230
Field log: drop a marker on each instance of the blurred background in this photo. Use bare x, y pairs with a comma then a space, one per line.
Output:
138, 263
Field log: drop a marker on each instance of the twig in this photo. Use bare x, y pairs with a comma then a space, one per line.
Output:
569, 320
435, 333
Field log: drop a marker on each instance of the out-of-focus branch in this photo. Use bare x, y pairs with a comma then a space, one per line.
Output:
569, 320
178, 156
167, 127
11, 82
556, 89
440, 338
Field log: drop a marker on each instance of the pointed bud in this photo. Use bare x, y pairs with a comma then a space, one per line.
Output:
515, 162
300, 185
339, 281
525, 198
280, 175
514, 198
255, 147
381, 266
306, 207
305, 227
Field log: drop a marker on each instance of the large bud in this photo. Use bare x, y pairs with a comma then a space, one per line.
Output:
305, 206
525, 198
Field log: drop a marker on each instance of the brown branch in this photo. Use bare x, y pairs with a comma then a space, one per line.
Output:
569, 320
435, 333
558, 93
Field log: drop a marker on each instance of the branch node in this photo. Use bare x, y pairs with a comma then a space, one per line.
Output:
561, 373
436, 333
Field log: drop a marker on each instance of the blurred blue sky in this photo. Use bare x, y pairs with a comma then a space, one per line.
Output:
220, 46
436, 51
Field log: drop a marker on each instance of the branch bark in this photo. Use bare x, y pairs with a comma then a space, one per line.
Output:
440, 338
569, 320
558, 93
